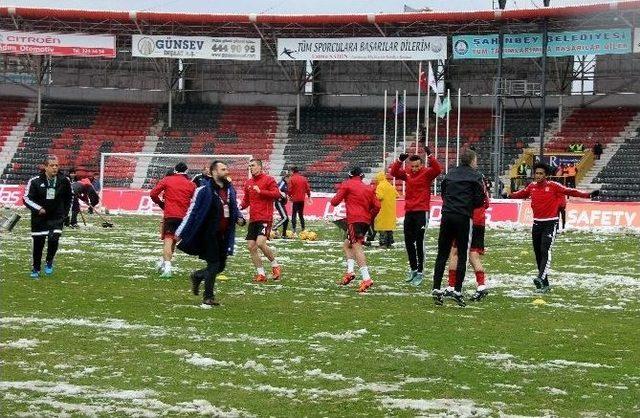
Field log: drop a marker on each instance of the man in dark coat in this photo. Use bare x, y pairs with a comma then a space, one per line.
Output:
208, 229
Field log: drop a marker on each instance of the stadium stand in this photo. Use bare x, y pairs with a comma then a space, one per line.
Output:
11, 111
621, 176
589, 125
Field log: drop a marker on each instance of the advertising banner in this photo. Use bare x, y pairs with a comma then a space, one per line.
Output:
586, 214
195, 47
636, 40
363, 49
555, 160
559, 44
57, 44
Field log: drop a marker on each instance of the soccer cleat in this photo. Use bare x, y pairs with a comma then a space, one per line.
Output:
365, 285
276, 272
438, 297
166, 274
347, 278
417, 280
537, 282
260, 278
208, 303
479, 294
543, 289
48, 269
447, 293
35, 274
410, 276
195, 283
458, 298
159, 265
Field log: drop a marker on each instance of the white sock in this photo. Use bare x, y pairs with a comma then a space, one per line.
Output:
167, 265
364, 272
274, 263
260, 270
351, 264
481, 287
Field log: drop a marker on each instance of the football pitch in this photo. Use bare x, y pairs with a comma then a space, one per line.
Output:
105, 336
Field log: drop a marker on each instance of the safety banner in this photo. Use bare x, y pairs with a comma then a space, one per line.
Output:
363, 49
57, 44
195, 47
559, 44
586, 214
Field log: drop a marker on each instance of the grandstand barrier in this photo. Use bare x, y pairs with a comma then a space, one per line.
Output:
580, 213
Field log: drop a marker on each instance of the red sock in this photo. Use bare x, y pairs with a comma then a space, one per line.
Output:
452, 278
479, 278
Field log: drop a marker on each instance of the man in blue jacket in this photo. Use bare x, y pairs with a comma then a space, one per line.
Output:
209, 227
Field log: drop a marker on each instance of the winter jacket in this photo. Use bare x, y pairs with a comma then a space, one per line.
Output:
205, 209
260, 203
387, 195
418, 188
462, 191
360, 200
176, 191
35, 197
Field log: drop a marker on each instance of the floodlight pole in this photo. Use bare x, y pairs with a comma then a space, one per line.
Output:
543, 85
497, 117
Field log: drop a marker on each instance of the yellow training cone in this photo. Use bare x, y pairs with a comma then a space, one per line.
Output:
538, 301
222, 277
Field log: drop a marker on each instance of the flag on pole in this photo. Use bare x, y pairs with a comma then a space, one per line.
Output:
422, 82
442, 108
431, 81
398, 107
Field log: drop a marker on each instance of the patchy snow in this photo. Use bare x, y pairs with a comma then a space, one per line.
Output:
509, 362
256, 340
22, 343
329, 376
553, 391
444, 407
348, 335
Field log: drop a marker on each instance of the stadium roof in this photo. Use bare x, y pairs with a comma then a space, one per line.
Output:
625, 13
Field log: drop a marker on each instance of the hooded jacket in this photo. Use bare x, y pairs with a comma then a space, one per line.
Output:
387, 195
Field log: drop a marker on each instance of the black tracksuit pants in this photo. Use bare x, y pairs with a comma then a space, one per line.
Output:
284, 218
53, 241
543, 234
216, 257
415, 225
297, 208
453, 227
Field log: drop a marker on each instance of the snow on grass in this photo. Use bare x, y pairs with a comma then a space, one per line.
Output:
443, 407
553, 391
22, 343
348, 335
508, 361
329, 376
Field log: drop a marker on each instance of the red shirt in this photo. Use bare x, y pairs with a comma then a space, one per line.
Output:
418, 189
260, 203
479, 214
545, 198
176, 190
298, 187
360, 200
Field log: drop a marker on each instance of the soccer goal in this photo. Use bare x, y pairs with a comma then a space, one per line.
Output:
144, 170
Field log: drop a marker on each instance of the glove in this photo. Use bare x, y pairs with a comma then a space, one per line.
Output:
403, 156
427, 151
594, 193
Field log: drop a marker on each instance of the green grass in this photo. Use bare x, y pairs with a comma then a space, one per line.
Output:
105, 336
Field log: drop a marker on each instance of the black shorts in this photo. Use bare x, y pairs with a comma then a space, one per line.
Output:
169, 227
477, 240
357, 232
255, 229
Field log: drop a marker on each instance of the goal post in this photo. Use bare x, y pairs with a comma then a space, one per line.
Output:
143, 170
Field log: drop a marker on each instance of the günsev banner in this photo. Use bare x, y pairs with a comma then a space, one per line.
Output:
195, 47
559, 44
363, 49
57, 44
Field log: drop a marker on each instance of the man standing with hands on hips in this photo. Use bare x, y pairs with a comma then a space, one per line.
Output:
48, 196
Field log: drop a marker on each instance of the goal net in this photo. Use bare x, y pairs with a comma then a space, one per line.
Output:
144, 170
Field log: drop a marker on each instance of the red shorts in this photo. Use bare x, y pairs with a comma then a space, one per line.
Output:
169, 226
357, 232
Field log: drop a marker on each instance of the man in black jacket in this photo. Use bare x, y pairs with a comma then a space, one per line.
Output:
48, 196
462, 191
